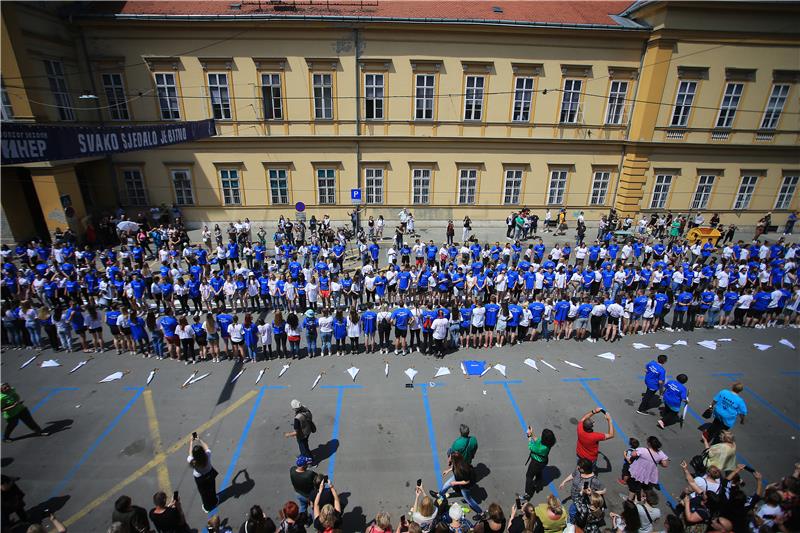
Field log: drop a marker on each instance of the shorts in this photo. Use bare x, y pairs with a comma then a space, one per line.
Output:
212, 337
125, 331
325, 294
755, 313
114, 329
613, 321
80, 329
582, 323
476, 330
400, 333
637, 486
237, 343
201, 341
95, 330
636, 316
174, 340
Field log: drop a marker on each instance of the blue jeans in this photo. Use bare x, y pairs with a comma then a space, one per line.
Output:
311, 344
303, 504
65, 337
252, 351
713, 316
326, 341
15, 336
36, 339
545, 331
158, 342
465, 493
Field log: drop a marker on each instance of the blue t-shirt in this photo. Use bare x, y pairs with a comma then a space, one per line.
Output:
492, 310
728, 406
400, 317
537, 310
654, 373
674, 394
369, 321
584, 310
562, 310
168, 325
224, 320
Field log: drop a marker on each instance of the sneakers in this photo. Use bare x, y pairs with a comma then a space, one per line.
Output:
642, 412
397, 352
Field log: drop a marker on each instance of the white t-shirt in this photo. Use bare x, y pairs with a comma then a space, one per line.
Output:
440, 327
235, 331
479, 317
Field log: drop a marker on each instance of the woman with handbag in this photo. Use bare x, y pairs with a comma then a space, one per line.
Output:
644, 469
722, 454
205, 474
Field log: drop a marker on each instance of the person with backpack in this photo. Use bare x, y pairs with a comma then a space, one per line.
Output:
303, 427
466, 444
538, 452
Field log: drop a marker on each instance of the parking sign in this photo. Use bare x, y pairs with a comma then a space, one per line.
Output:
355, 196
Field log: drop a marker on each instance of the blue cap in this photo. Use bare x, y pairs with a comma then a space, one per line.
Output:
303, 460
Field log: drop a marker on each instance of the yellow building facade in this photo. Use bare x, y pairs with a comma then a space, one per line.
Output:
667, 106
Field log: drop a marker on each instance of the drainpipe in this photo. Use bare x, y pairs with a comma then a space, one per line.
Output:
357, 53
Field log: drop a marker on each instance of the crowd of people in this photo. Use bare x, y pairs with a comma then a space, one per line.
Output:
158, 294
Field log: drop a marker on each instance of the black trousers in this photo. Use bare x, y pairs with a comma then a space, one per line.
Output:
669, 417
597, 324
649, 400
207, 487
534, 477
26, 417
714, 430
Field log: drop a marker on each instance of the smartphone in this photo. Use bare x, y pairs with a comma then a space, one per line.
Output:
194, 435
517, 502
324, 480
602, 410
419, 482
403, 519
750, 469
175, 495
585, 485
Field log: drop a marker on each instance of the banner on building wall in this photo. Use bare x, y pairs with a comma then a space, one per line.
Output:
29, 143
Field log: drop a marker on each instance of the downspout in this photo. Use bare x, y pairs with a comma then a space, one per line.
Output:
357, 53
628, 128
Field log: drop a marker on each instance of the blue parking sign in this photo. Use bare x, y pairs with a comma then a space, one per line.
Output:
355, 196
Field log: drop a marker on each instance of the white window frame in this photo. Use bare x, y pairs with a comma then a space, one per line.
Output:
786, 192
135, 189
59, 89
278, 186
702, 193
271, 95
424, 96
182, 186
687, 89
219, 93
231, 185
615, 109
729, 105
571, 101
744, 194
473, 97
557, 186
373, 184
326, 186
777, 100
467, 186
601, 179
421, 186
7, 109
114, 87
167, 90
661, 187
374, 95
512, 186
523, 99
323, 95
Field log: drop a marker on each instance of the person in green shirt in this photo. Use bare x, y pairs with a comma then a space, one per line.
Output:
538, 450
466, 445
14, 410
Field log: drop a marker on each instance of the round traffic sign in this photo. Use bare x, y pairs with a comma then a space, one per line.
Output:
300, 207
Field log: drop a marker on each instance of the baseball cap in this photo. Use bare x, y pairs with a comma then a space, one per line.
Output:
303, 460
296, 404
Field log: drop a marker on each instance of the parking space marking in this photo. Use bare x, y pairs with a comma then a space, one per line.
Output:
734, 376
335, 433
49, 397
153, 463
164, 482
431, 433
85, 457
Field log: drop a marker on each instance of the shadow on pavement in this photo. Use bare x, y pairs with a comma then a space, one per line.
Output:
324, 451
235, 490
227, 390
43, 510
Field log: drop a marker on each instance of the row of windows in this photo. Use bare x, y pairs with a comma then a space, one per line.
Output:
421, 180
705, 184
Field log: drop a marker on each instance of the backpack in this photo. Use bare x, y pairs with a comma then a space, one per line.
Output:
306, 420
427, 323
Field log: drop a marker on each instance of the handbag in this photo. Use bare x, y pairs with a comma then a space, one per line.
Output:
707, 413
698, 463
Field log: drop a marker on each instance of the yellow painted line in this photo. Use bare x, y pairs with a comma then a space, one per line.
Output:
163, 472
153, 463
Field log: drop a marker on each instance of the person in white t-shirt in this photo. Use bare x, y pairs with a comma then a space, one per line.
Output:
440, 327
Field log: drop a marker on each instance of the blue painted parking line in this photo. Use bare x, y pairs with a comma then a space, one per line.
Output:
431, 432
49, 397
595, 399
335, 434
520, 417
791, 373
88, 453
503, 382
734, 377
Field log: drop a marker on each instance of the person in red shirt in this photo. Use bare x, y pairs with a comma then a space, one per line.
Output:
589, 440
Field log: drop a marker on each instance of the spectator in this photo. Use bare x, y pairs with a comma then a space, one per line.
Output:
205, 474
329, 517
167, 518
423, 512
381, 524
303, 482
133, 519
258, 522
291, 519
551, 515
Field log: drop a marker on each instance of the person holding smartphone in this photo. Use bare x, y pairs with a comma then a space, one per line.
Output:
167, 518
584, 482
329, 517
205, 474
588, 446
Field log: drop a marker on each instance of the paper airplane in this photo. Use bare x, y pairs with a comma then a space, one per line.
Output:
607, 355
711, 345
113, 377
680, 343
353, 371
443, 371
485, 370
501, 368
283, 370
787, 342
49, 363
261, 375
574, 364
410, 372
151, 376
79, 365
531, 363
319, 377
190, 378
639, 345
237, 376
198, 378
663, 346
548, 364
386, 369
29, 361
463, 368
762, 347
724, 340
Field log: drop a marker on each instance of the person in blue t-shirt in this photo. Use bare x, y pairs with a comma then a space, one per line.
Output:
369, 325
400, 318
675, 395
727, 406
682, 303
560, 316
654, 377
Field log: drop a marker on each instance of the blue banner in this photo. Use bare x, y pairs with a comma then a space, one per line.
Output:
29, 143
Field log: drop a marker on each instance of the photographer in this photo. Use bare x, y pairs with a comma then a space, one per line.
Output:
168, 518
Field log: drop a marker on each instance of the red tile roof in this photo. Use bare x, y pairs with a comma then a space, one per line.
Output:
527, 11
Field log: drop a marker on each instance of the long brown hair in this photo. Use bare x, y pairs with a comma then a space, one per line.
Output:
278, 318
